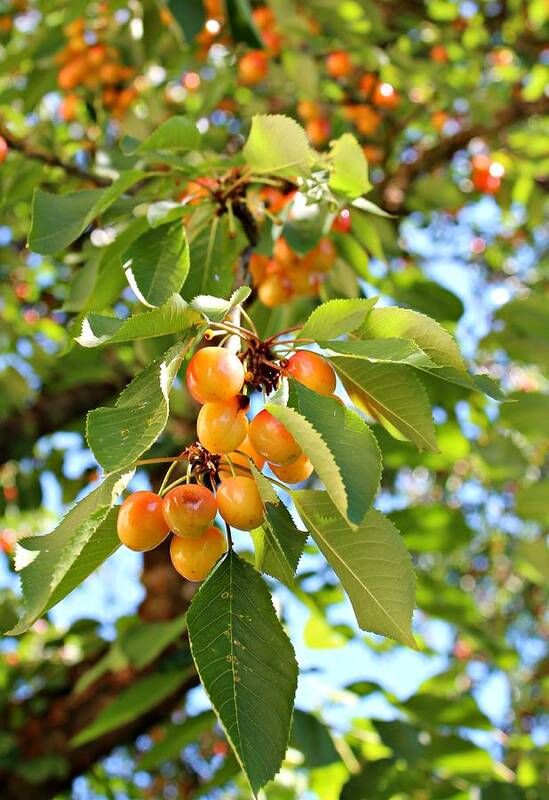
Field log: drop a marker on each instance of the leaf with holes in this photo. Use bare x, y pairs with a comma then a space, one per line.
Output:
277, 145
52, 565
372, 563
157, 263
246, 664
173, 316
118, 436
392, 395
342, 448
336, 318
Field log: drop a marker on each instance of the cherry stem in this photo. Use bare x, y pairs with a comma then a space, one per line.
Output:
229, 536
283, 333
167, 477
250, 321
170, 486
229, 461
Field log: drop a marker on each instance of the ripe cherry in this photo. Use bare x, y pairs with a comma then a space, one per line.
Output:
322, 258
308, 109
3, 149
140, 524
271, 439
297, 472
252, 67
189, 509
274, 290
222, 427
195, 558
312, 371
339, 64
214, 375
239, 503
318, 130
283, 253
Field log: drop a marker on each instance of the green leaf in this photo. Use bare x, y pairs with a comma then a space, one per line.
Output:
118, 436
57, 220
172, 317
62, 559
277, 145
391, 394
139, 698
177, 736
366, 205
241, 23
157, 263
371, 562
390, 351
190, 14
177, 134
213, 257
246, 664
278, 543
343, 450
311, 737
532, 502
349, 170
337, 317
215, 309
432, 338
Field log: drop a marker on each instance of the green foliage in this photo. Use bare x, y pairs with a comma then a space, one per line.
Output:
371, 563
349, 168
277, 145
157, 263
246, 664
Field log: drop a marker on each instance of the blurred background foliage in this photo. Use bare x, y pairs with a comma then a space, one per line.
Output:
448, 100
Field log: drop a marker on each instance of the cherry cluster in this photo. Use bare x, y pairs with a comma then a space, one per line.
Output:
93, 66
219, 477
287, 275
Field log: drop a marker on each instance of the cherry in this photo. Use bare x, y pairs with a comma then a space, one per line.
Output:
322, 258
312, 371
271, 439
283, 253
3, 149
274, 290
189, 509
239, 503
385, 96
195, 558
214, 375
140, 523
342, 223
307, 109
318, 130
222, 427
297, 472
252, 67
339, 64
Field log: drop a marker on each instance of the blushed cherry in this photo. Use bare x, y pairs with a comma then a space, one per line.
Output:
239, 503
312, 371
189, 509
271, 439
297, 472
195, 558
222, 427
214, 375
239, 460
140, 523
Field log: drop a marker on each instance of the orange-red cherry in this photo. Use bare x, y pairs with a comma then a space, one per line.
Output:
3, 149
297, 472
312, 371
140, 523
239, 503
194, 559
222, 427
214, 375
339, 64
271, 439
252, 67
189, 509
